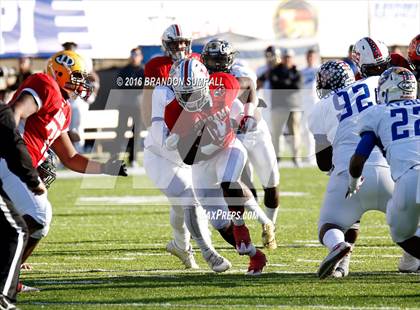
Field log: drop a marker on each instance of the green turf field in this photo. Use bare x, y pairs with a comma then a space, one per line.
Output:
111, 256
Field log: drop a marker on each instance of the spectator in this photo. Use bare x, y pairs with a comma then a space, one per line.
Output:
272, 58
395, 49
78, 105
129, 104
286, 82
349, 60
25, 64
309, 98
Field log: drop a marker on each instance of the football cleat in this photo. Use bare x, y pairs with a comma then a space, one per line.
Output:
6, 304
22, 288
342, 269
328, 264
216, 262
243, 240
408, 264
256, 264
269, 236
186, 257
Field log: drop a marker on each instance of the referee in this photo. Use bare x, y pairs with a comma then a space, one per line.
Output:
13, 231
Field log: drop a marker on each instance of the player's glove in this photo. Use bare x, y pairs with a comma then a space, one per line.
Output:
114, 166
48, 169
171, 142
354, 186
248, 123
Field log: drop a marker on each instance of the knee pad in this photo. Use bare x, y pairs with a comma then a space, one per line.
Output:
41, 233
324, 228
271, 197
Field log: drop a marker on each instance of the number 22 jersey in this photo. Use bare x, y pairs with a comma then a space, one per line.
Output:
397, 125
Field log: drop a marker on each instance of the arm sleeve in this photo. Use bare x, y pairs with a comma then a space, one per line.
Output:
158, 129
13, 149
366, 144
161, 96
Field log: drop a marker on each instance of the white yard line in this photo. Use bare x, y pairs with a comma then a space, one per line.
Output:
68, 174
195, 305
160, 199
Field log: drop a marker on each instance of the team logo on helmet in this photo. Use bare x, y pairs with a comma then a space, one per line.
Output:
225, 48
65, 60
418, 50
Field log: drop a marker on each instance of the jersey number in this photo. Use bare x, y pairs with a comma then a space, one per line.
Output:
403, 122
360, 101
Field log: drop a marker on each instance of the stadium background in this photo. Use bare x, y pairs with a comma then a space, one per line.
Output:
106, 246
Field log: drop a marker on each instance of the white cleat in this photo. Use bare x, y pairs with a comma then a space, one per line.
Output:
328, 264
216, 262
186, 257
409, 263
22, 288
342, 269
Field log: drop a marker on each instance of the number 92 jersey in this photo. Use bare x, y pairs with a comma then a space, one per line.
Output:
397, 125
336, 116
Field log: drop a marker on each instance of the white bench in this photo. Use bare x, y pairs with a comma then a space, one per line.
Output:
105, 122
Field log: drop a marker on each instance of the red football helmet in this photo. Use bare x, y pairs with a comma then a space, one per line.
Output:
414, 50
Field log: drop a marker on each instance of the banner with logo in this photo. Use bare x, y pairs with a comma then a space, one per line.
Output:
109, 29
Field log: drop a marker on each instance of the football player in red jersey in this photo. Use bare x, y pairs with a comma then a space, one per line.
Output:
42, 113
176, 43
199, 120
219, 56
414, 57
165, 168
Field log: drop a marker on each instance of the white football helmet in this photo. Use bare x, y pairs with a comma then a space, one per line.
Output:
190, 81
371, 56
176, 42
396, 84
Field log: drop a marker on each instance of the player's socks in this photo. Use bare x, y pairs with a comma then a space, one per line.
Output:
244, 245
238, 220
227, 234
332, 237
251, 205
272, 214
179, 229
199, 232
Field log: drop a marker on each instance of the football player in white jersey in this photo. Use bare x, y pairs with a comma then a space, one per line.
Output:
219, 56
394, 125
333, 122
173, 177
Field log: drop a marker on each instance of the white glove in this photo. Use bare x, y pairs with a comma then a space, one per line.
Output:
171, 142
354, 185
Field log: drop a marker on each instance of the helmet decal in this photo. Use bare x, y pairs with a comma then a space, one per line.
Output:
65, 60
375, 49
